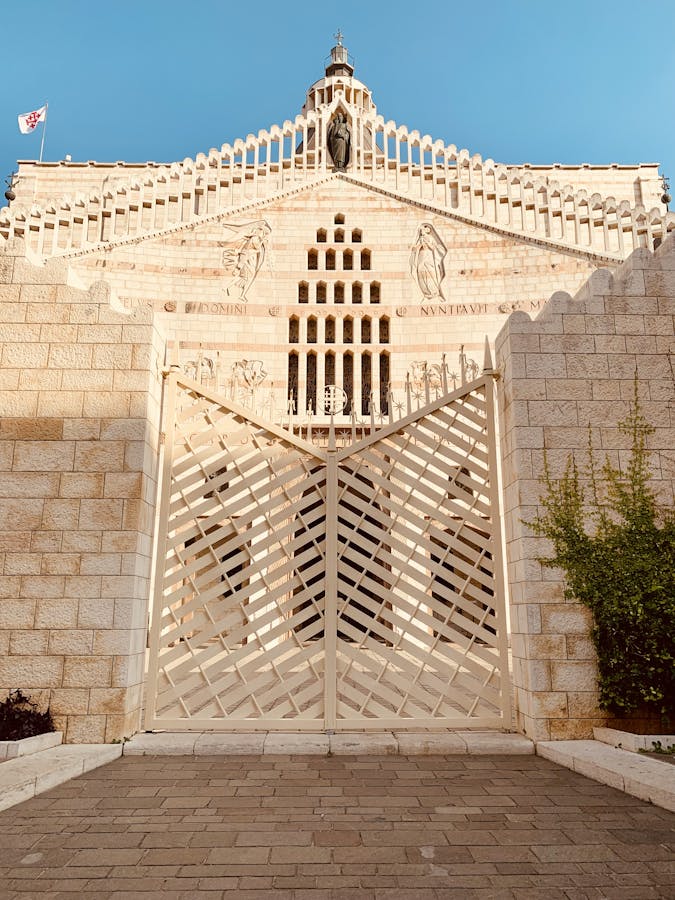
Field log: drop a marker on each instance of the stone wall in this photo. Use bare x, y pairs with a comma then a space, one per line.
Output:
574, 365
79, 400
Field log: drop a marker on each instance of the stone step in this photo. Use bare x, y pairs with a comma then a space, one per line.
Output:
168, 743
24, 777
648, 779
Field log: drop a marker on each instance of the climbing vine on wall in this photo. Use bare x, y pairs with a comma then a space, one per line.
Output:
616, 548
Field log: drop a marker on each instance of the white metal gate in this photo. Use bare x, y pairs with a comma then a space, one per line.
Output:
299, 587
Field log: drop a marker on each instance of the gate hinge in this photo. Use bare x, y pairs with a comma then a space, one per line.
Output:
162, 438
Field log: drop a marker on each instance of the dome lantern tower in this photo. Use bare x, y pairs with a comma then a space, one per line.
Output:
339, 59
339, 82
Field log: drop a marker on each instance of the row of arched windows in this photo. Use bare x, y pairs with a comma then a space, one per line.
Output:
364, 377
339, 292
332, 260
343, 331
339, 236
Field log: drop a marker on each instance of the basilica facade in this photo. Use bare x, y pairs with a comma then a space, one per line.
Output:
259, 387
337, 262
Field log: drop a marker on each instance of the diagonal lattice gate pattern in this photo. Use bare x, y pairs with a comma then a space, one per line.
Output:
417, 615
308, 588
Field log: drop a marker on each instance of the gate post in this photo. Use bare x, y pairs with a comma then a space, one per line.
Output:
497, 551
330, 599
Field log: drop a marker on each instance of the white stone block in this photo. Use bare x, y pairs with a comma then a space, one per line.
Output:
27, 746
639, 776
297, 743
163, 743
357, 744
485, 742
425, 743
225, 743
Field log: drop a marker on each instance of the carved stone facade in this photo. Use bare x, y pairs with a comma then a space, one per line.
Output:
298, 287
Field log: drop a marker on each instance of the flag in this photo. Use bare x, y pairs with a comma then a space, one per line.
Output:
28, 122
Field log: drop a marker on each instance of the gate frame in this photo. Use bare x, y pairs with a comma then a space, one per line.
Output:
330, 458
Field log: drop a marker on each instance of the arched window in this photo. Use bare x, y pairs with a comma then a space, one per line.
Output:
339, 219
293, 330
312, 259
384, 383
293, 379
348, 380
339, 236
321, 236
311, 381
356, 236
348, 330
348, 260
357, 292
303, 292
330, 330
330, 368
365, 331
311, 330
321, 292
330, 260
375, 292
365, 260
366, 383
339, 292
384, 330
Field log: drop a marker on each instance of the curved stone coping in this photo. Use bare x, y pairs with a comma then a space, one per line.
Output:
168, 743
27, 746
639, 776
24, 777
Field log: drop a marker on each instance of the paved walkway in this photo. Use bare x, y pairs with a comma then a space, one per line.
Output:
306, 827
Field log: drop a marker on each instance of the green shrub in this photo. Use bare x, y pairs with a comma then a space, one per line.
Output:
617, 552
20, 718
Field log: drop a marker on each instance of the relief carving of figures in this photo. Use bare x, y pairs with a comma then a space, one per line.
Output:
421, 371
426, 262
339, 140
248, 373
244, 255
202, 368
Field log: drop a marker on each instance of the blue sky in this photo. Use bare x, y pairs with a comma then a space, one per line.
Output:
534, 81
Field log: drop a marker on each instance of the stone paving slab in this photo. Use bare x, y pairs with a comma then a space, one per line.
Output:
25, 776
171, 743
367, 827
639, 776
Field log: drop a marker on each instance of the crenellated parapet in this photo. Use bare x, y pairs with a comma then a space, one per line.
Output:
383, 155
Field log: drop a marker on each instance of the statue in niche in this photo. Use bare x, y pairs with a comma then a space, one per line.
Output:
339, 141
426, 262
245, 255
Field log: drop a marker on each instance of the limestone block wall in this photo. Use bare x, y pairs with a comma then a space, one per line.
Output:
79, 409
574, 365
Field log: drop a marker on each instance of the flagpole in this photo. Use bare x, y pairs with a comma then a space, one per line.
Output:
44, 129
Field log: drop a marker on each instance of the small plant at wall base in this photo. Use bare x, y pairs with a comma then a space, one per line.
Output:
618, 555
20, 718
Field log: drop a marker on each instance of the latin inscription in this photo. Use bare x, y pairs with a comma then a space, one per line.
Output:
474, 309
454, 309
219, 309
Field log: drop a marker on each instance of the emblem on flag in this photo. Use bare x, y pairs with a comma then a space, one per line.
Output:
29, 121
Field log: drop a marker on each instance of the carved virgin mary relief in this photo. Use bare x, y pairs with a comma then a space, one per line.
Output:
426, 262
245, 251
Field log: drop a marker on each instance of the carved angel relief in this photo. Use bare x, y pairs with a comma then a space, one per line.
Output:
244, 255
426, 262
